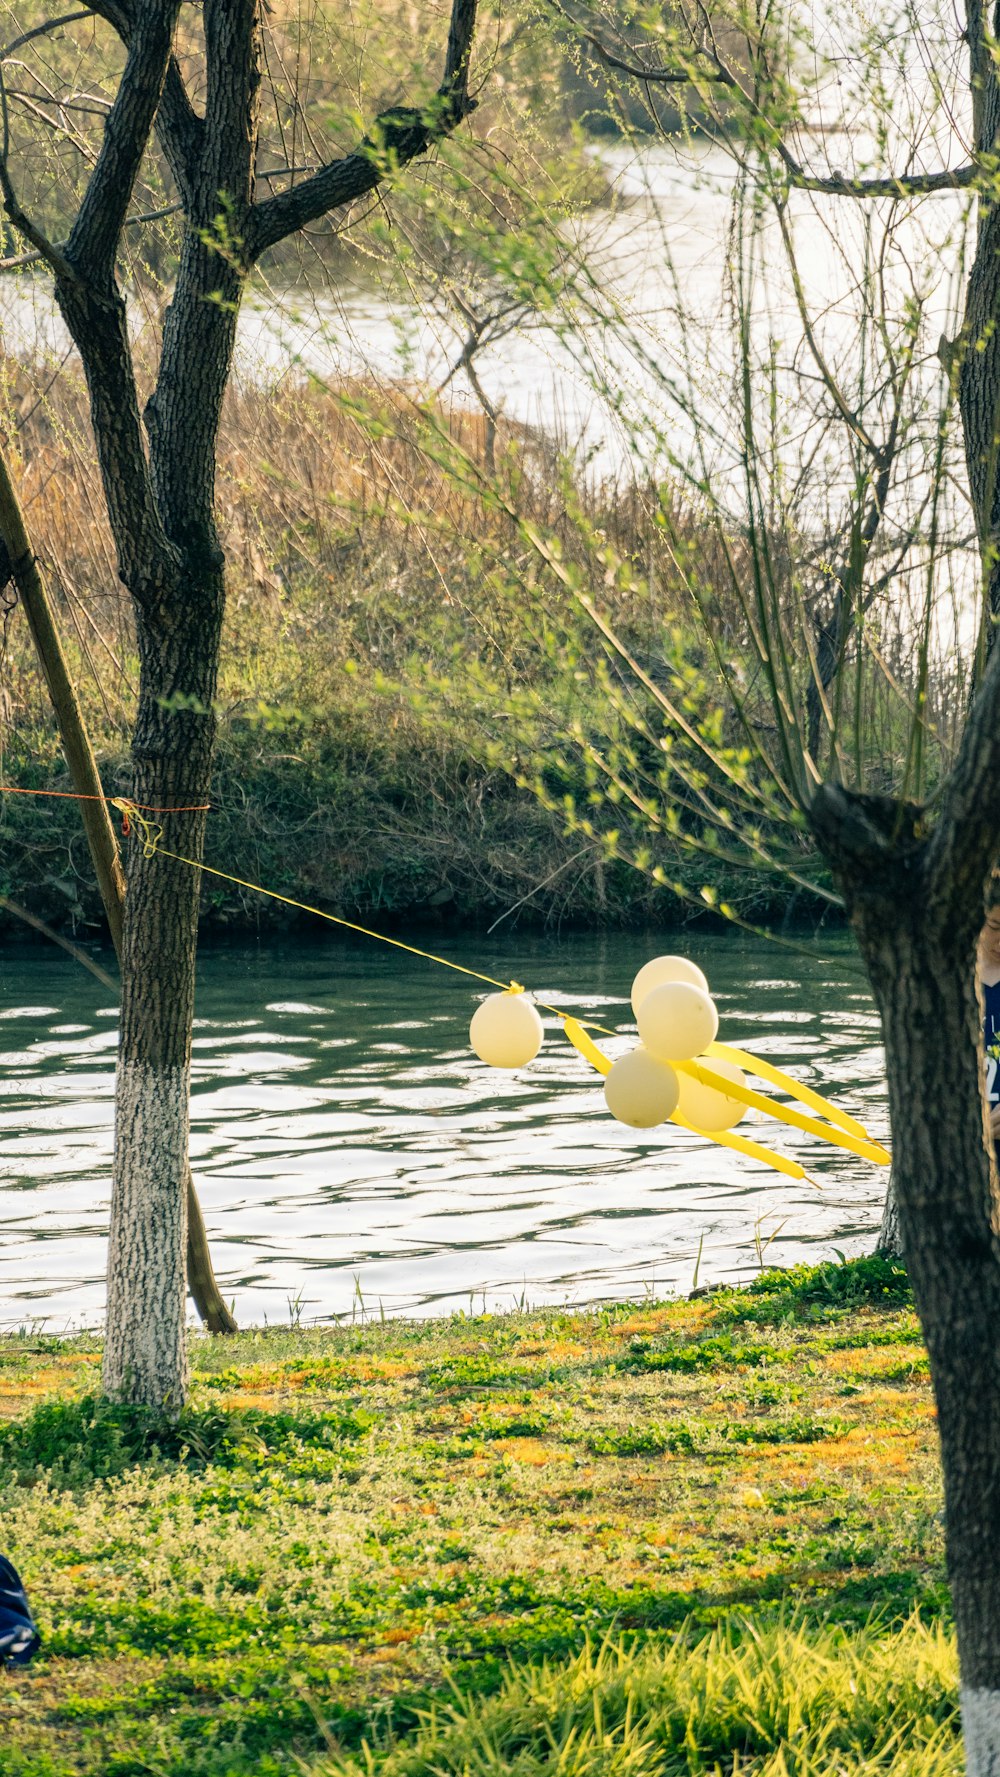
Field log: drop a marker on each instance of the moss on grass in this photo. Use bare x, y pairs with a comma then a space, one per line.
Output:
348, 1522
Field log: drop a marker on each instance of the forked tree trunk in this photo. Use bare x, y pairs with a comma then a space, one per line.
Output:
144, 1352
921, 960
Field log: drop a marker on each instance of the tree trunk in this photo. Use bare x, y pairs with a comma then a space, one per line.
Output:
829, 652
926, 991
979, 402
921, 961
144, 1354
100, 834
159, 488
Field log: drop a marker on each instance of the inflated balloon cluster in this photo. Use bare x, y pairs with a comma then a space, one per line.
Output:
677, 1020
677, 1072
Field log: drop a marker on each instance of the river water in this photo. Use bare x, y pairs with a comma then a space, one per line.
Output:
351, 1155
642, 355
354, 1157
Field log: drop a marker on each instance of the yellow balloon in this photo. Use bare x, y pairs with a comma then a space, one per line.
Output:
705, 1106
661, 970
677, 1021
506, 1030
640, 1090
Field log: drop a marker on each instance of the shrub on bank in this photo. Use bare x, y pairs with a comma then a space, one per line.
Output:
393, 679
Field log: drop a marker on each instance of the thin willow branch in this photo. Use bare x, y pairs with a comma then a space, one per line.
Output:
22, 259
719, 73
44, 249
760, 859
679, 76
43, 30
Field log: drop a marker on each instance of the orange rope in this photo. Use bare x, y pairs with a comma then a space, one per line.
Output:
80, 796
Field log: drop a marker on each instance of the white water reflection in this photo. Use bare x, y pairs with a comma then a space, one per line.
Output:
349, 1147
656, 318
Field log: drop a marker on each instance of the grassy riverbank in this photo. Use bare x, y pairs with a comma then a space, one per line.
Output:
395, 674
648, 1539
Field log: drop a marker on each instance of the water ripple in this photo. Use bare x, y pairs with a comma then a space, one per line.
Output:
349, 1149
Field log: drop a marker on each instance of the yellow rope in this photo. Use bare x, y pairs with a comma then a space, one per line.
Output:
150, 835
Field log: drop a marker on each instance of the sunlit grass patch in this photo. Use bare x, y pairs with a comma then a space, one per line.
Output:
687, 1356
31, 1370
474, 1370
816, 1293
903, 1363
680, 1436
82, 1441
769, 1701
348, 1520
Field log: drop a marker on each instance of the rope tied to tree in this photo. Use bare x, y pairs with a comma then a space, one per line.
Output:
844, 1133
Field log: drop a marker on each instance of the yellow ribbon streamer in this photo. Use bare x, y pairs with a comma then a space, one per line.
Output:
743, 1145
765, 1070
751, 1149
869, 1150
588, 1049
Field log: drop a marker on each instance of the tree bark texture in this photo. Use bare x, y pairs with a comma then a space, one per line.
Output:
179, 611
979, 402
920, 951
979, 346
159, 487
889, 1244
925, 988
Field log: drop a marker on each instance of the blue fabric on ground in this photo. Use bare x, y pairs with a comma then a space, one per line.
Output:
19, 1639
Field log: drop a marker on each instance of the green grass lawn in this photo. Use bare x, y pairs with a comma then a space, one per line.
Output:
687, 1537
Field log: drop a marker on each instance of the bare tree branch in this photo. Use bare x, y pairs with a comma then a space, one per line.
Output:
200, 325
900, 185
74, 950
44, 248
93, 307
97, 322
43, 30
22, 259
718, 72
398, 137
682, 76
837, 184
